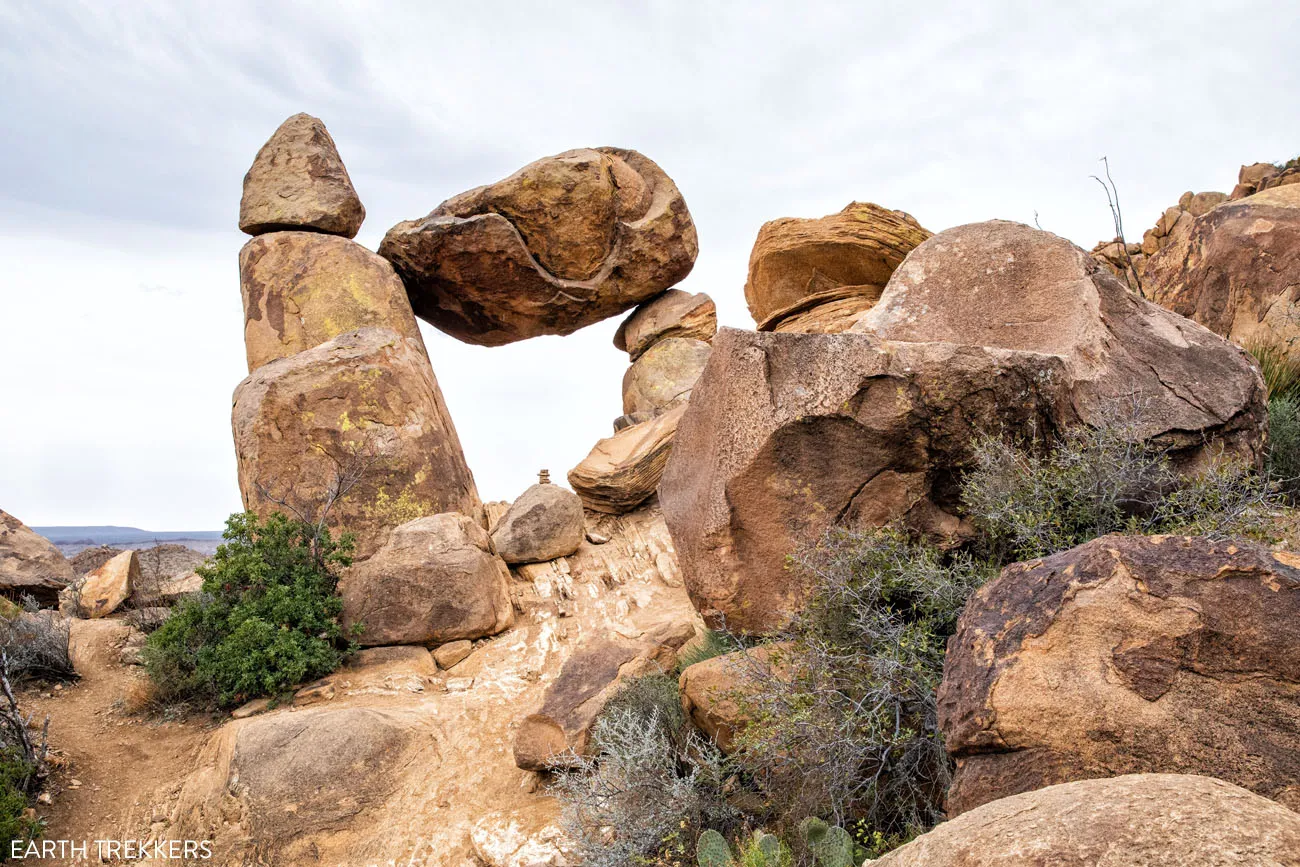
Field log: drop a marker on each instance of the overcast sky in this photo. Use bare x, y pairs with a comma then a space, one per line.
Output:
127, 127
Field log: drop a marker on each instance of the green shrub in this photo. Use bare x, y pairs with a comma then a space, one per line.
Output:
1284, 445
1280, 367
712, 644
15, 781
267, 619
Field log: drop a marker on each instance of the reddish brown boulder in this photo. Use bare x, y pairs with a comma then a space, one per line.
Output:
1128, 654
29, 563
564, 242
1140, 820
988, 327
297, 181
673, 314
843, 258
364, 409
304, 288
1234, 270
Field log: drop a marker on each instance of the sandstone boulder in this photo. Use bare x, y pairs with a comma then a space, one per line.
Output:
1234, 270
985, 328
1139, 820
364, 407
297, 181
623, 471
711, 690
435, 580
664, 376
1128, 654
673, 314
304, 288
30, 564
104, 590
1257, 177
845, 258
564, 242
544, 523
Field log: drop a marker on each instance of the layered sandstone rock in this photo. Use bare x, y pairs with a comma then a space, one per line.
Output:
297, 181
105, 589
622, 472
544, 523
304, 288
1138, 820
364, 410
29, 563
842, 261
564, 242
664, 375
434, 580
1234, 269
987, 327
1163, 654
672, 314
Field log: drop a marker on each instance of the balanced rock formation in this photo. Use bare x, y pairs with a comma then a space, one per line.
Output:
435, 580
1138, 820
364, 407
1234, 269
1257, 177
622, 472
304, 288
297, 181
30, 564
836, 265
673, 314
987, 327
564, 242
544, 523
105, 589
1128, 654
664, 375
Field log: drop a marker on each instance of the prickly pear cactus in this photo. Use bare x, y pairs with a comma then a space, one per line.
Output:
711, 850
831, 846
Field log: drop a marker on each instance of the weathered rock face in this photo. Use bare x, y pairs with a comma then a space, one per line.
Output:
623, 471
297, 181
673, 314
544, 523
1133, 821
988, 327
104, 590
664, 376
1125, 655
564, 242
843, 258
29, 563
304, 288
435, 580
366, 403
1234, 270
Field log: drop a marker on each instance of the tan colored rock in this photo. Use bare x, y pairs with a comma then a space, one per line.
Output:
453, 653
1201, 204
564, 242
366, 401
304, 288
435, 580
623, 471
664, 376
29, 563
798, 264
1163, 654
993, 326
1138, 820
297, 181
711, 690
544, 523
672, 314
103, 591
1234, 271
828, 314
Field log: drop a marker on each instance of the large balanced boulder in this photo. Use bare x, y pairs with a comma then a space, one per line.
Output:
434, 580
843, 259
1234, 269
664, 376
1128, 654
544, 523
29, 563
1140, 820
297, 181
993, 327
304, 288
564, 242
360, 421
622, 472
673, 314
105, 589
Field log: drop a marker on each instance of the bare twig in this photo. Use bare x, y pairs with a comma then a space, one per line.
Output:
1117, 217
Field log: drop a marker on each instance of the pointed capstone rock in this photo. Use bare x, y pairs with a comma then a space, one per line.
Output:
298, 181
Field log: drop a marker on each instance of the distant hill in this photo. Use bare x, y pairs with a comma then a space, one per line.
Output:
70, 540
